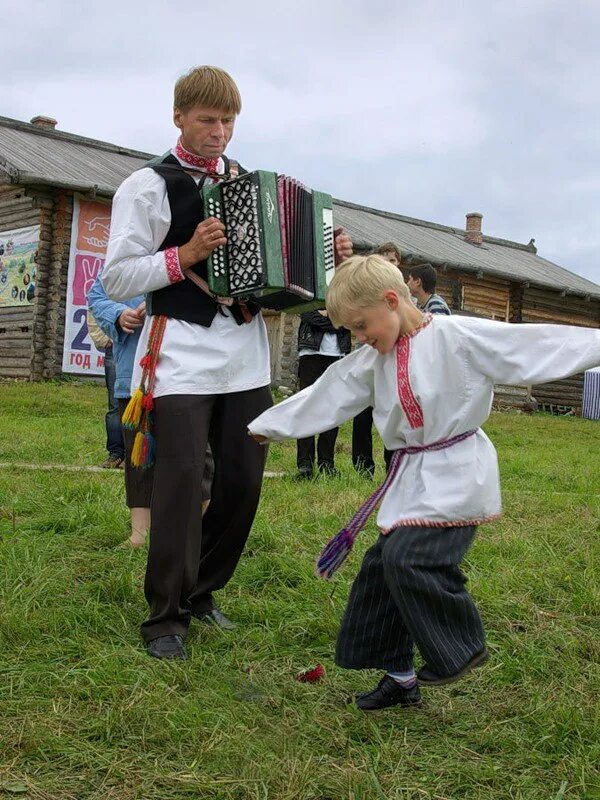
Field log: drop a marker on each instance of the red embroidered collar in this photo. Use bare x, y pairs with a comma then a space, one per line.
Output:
424, 323
207, 164
408, 401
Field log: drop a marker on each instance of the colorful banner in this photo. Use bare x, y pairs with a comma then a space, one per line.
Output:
18, 253
89, 238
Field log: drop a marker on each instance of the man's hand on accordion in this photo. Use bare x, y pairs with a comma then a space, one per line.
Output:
343, 246
209, 235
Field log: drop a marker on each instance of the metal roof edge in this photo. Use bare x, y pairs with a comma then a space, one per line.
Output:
423, 223
98, 144
93, 189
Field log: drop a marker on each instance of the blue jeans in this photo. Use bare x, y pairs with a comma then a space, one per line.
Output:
114, 435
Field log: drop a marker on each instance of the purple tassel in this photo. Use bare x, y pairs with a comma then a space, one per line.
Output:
335, 553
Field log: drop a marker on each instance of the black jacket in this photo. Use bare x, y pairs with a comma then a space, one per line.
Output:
312, 327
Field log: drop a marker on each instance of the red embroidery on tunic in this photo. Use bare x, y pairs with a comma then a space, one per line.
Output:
428, 523
174, 273
209, 164
410, 406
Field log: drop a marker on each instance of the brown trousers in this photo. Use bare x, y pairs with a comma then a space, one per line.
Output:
190, 557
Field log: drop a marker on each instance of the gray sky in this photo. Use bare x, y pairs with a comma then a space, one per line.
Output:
430, 111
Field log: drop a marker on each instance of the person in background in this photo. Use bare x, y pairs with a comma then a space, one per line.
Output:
362, 424
319, 346
390, 252
422, 281
122, 323
114, 435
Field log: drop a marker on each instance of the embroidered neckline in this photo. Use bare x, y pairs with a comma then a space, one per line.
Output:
193, 160
427, 318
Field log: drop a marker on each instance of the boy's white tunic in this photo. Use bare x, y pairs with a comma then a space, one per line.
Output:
436, 383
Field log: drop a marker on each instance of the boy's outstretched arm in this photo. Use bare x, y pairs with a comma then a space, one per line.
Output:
530, 354
342, 392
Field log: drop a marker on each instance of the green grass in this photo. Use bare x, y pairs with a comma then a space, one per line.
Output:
84, 713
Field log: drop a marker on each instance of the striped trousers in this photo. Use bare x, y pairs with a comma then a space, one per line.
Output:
410, 591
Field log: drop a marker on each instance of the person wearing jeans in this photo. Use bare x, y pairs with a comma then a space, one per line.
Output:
114, 433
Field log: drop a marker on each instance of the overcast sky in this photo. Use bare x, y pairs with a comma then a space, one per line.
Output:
429, 109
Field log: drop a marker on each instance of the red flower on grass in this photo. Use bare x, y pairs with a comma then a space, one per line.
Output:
311, 675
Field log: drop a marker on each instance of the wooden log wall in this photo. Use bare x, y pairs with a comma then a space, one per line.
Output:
544, 305
17, 210
282, 330
57, 284
485, 297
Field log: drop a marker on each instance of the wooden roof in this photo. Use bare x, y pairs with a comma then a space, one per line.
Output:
422, 241
33, 155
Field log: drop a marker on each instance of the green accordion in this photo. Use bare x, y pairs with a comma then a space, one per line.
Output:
280, 248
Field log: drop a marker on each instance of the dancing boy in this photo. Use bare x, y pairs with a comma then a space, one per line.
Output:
443, 479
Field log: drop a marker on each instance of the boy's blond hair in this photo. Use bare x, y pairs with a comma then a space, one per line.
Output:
361, 281
210, 87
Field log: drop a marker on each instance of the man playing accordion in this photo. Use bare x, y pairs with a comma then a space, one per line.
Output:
204, 371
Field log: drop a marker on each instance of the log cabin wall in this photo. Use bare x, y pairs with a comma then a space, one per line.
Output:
18, 210
57, 284
31, 337
282, 331
545, 305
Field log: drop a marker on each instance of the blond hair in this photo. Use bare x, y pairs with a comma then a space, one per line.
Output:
210, 87
361, 281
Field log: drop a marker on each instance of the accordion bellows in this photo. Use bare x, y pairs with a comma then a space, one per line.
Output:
279, 249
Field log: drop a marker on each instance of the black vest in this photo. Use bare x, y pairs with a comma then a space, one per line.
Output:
184, 300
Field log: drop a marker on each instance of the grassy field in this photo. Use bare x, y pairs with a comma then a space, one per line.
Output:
84, 713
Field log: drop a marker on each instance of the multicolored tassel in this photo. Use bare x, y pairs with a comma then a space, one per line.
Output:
138, 413
335, 553
133, 411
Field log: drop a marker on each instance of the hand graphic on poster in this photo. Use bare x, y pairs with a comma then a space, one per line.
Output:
86, 272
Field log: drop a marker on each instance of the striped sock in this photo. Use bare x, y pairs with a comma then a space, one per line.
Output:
406, 679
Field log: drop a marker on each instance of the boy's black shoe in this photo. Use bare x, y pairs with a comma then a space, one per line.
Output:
427, 677
387, 693
169, 647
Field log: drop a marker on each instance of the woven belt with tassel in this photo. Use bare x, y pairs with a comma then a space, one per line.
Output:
138, 413
338, 548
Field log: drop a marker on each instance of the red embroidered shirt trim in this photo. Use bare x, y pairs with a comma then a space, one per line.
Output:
408, 401
429, 523
208, 164
174, 271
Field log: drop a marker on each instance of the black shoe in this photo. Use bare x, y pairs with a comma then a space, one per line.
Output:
329, 469
427, 677
170, 647
214, 616
304, 474
387, 693
365, 472
365, 468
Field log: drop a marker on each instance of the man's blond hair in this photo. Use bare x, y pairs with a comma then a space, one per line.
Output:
361, 281
210, 87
